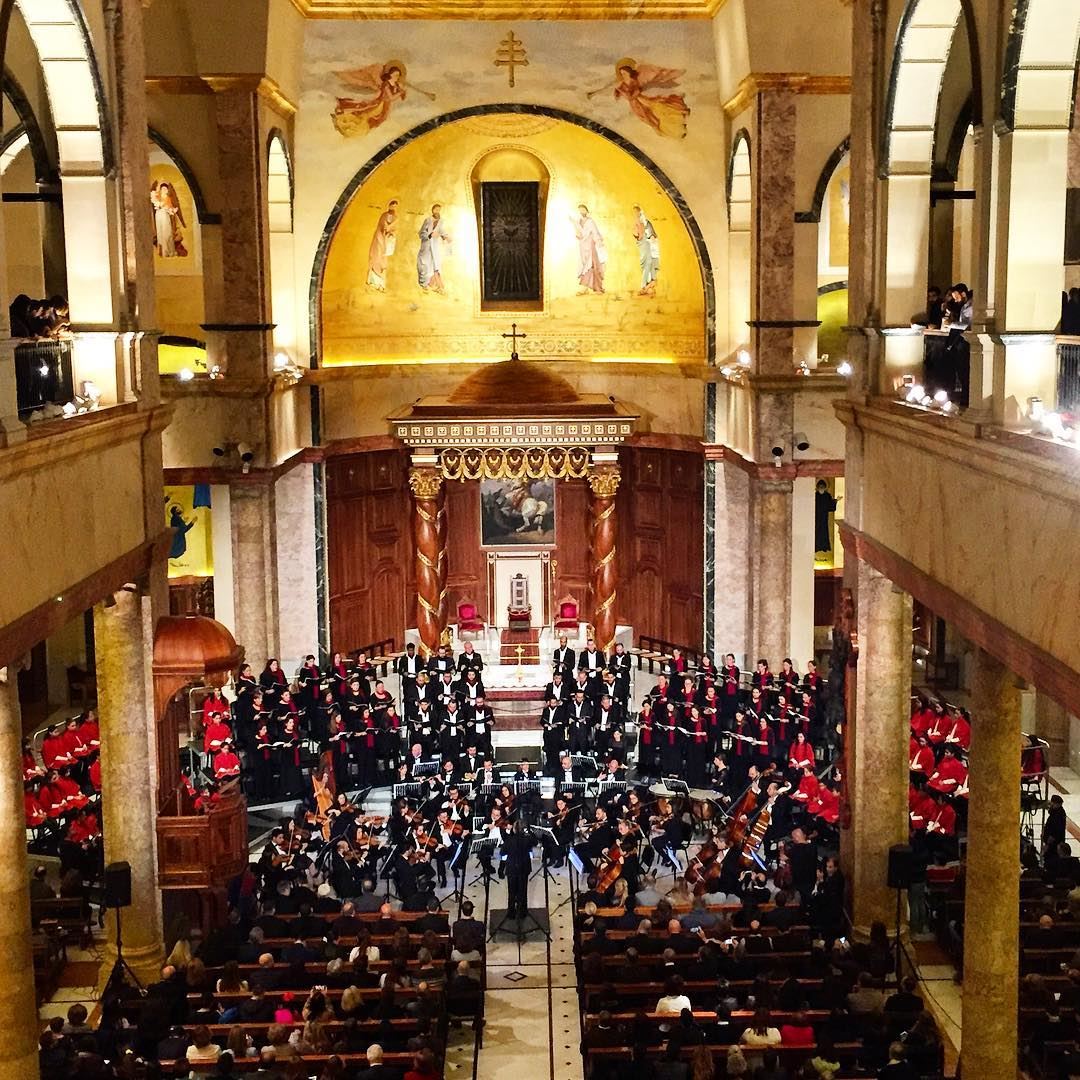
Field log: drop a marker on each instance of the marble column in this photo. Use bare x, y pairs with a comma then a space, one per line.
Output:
18, 1006
426, 483
123, 644
992, 889
253, 572
877, 752
442, 563
604, 483
770, 551
772, 264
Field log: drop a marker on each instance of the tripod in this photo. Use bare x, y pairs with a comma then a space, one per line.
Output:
121, 972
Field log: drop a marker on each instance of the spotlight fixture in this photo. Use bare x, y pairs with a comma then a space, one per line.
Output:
743, 356
844, 368
1035, 409
801, 442
778, 456
185, 374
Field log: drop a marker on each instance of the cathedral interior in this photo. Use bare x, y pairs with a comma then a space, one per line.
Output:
571, 434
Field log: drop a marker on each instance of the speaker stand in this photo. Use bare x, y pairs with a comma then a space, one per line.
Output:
121, 974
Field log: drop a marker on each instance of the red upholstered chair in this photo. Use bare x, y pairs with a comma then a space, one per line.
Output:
566, 617
468, 618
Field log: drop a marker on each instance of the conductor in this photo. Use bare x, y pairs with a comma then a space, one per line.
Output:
517, 856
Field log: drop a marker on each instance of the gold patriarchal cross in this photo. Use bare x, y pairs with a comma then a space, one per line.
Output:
513, 336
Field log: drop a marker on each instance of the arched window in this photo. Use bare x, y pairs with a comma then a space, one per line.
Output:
279, 198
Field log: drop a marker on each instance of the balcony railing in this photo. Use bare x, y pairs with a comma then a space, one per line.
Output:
43, 375
947, 364
1068, 374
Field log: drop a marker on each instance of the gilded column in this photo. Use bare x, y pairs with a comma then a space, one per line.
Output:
604, 483
426, 483
123, 643
877, 764
442, 563
18, 1007
992, 890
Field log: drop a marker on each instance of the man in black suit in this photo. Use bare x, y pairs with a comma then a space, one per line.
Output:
517, 862
376, 1070
592, 662
408, 667
560, 686
470, 660
553, 723
568, 773
564, 658
467, 933
579, 718
441, 662
469, 763
619, 666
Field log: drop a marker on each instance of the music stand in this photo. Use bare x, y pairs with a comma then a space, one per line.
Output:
484, 846
384, 870
458, 862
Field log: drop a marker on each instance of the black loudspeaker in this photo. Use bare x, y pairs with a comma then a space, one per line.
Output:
900, 858
118, 885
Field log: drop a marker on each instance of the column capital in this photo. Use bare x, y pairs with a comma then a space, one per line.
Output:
425, 482
604, 481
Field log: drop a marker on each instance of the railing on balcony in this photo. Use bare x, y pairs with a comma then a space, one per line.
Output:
1068, 374
947, 364
43, 375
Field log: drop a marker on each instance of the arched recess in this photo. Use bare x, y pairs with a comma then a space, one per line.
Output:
77, 101
178, 212
33, 249
676, 198
830, 211
279, 197
739, 209
925, 37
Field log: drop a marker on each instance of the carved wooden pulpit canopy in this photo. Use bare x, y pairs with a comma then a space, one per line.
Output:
513, 420
196, 851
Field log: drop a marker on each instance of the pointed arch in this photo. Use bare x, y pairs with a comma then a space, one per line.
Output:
204, 215
738, 182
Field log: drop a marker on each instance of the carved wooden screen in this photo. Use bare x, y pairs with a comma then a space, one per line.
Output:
510, 215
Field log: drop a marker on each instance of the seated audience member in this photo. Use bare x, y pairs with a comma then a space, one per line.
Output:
674, 1000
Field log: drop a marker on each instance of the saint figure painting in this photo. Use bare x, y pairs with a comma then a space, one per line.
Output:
592, 254
383, 245
433, 237
169, 221
664, 113
383, 85
648, 245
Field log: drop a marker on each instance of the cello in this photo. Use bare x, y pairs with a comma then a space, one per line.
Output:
611, 873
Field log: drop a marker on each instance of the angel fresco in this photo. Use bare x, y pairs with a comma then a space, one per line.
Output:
387, 82
665, 113
168, 220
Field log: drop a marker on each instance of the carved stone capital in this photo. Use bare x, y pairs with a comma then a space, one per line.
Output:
604, 481
425, 482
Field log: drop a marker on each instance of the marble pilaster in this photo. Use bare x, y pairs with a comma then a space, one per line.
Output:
733, 559
294, 521
18, 1008
772, 264
877, 752
253, 569
123, 644
770, 585
992, 880
242, 342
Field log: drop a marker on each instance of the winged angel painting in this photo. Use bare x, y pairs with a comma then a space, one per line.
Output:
665, 113
382, 86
